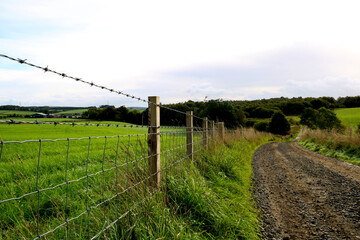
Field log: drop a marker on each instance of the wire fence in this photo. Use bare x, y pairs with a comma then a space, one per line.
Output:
87, 187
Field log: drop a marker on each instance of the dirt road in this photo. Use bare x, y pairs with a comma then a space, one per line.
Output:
303, 195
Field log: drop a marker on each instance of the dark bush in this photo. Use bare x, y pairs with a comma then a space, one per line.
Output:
250, 123
279, 124
261, 126
322, 118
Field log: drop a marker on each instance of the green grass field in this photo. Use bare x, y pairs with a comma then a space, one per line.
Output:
12, 112
207, 199
349, 116
80, 111
26, 167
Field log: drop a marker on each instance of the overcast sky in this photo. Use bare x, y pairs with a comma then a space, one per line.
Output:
178, 50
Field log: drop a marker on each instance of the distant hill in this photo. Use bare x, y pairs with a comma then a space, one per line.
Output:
140, 109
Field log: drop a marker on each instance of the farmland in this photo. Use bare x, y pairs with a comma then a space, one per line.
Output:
118, 164
26, 167
14, 112
75, 111
349, 116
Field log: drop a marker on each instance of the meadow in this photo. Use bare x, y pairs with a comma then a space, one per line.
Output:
78, 154
13, 112
75, 111
349, 116
92, 186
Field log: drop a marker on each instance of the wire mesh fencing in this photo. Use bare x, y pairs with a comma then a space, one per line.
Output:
82, 188
71, 187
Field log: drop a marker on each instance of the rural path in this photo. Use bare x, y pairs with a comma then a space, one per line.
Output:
304, 195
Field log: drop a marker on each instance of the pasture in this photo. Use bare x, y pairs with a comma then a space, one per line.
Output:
75, 111
82, 176
349, 116
13, 112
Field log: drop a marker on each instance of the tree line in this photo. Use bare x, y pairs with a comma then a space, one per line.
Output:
43, 109
233, 113
121, 114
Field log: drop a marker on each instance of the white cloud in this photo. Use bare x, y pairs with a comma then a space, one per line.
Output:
137, 46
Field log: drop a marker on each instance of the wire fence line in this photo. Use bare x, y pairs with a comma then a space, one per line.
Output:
82, 187
88, 175
127, 146
64, 75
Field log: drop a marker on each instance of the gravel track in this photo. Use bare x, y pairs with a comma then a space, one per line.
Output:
304, 195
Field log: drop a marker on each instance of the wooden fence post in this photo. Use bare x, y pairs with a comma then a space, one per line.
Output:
212, 130
205, 129
154, 141
190, 134
221, 129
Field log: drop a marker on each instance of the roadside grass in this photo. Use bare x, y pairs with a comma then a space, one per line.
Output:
209, 198
349, 116
341, 145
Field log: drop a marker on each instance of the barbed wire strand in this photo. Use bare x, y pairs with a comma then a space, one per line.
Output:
63, 75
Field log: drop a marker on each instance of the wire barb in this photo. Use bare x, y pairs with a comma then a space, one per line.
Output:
64, 75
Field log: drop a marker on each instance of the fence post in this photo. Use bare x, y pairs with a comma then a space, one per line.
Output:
212, 130
221, 130
190, 134
205, 129
154, 141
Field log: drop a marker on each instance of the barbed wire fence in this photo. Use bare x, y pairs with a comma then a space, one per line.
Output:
82, 188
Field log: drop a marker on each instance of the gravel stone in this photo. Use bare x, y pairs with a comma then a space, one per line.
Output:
304, 195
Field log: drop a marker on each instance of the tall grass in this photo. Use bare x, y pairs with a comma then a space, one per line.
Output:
342, 145
209, 198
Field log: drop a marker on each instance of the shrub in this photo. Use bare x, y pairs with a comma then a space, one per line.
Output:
279, 124
249, 123
322, 118
261, 126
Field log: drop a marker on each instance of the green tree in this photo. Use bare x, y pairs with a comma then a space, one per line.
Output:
322, 118
318, 103
279, 124
308, 118
224, 112
327, 119
261, 126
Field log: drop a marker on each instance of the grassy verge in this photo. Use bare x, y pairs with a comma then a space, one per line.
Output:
210, 198
343, 146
